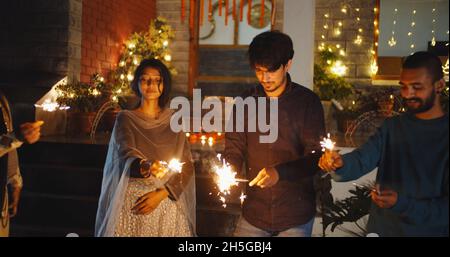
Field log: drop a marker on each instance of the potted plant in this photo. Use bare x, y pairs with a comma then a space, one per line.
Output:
84, 99
351, 209
329, 86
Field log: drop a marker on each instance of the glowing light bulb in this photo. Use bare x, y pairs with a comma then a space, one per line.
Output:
337, 32
130, 77
392, 42
338, 69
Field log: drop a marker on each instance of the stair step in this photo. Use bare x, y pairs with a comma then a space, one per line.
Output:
62, 179
45, 210
77, 155
17, 230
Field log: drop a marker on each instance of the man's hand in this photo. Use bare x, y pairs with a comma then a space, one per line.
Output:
330, 161
31, 131
15, 196
266, 177
149, 202
385, 199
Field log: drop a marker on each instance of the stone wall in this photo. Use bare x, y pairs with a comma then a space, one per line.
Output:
41, 36
171, 10
358, 57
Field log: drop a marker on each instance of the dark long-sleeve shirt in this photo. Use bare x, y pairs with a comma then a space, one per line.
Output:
412, 159
291, 202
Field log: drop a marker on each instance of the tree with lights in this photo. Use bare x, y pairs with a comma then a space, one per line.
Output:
153, 43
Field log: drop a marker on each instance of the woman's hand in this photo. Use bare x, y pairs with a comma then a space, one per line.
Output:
158, 170
149, 202
152, 168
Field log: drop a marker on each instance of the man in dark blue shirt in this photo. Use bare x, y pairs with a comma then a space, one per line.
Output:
411, 153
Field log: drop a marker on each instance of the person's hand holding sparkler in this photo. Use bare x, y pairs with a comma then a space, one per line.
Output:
331, 159
225, 179
159, 169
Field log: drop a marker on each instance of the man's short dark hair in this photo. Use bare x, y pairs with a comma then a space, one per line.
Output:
270, 50
426, 60
164, 73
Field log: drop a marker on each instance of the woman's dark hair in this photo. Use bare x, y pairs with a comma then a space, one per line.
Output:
270, 49
164, 73
426, 60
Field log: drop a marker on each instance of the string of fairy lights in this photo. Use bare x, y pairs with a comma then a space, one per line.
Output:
412, 28
332, 30
433, 29
393, 41
411, 31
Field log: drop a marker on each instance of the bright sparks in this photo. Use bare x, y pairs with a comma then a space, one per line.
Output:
174, 165
225, 178
327, 143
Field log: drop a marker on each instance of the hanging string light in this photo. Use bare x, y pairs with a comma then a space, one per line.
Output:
358, 40
392, 42
321, 46
412, 30
373, 70
433, 24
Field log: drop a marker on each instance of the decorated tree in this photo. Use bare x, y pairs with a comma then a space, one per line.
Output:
89, 97
153, 43
328, 81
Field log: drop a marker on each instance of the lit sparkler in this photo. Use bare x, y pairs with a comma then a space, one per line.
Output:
327, 143
174, 165
327, 146
242, 197
225, 178
50, 106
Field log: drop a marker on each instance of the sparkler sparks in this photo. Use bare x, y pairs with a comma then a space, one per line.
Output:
242, 197
225, 178
327, 146
174, 165
327, 143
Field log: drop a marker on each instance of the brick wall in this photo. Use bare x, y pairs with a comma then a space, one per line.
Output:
107, 24
358, 57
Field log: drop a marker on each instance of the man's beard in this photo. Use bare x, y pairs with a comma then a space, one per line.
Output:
423, 105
